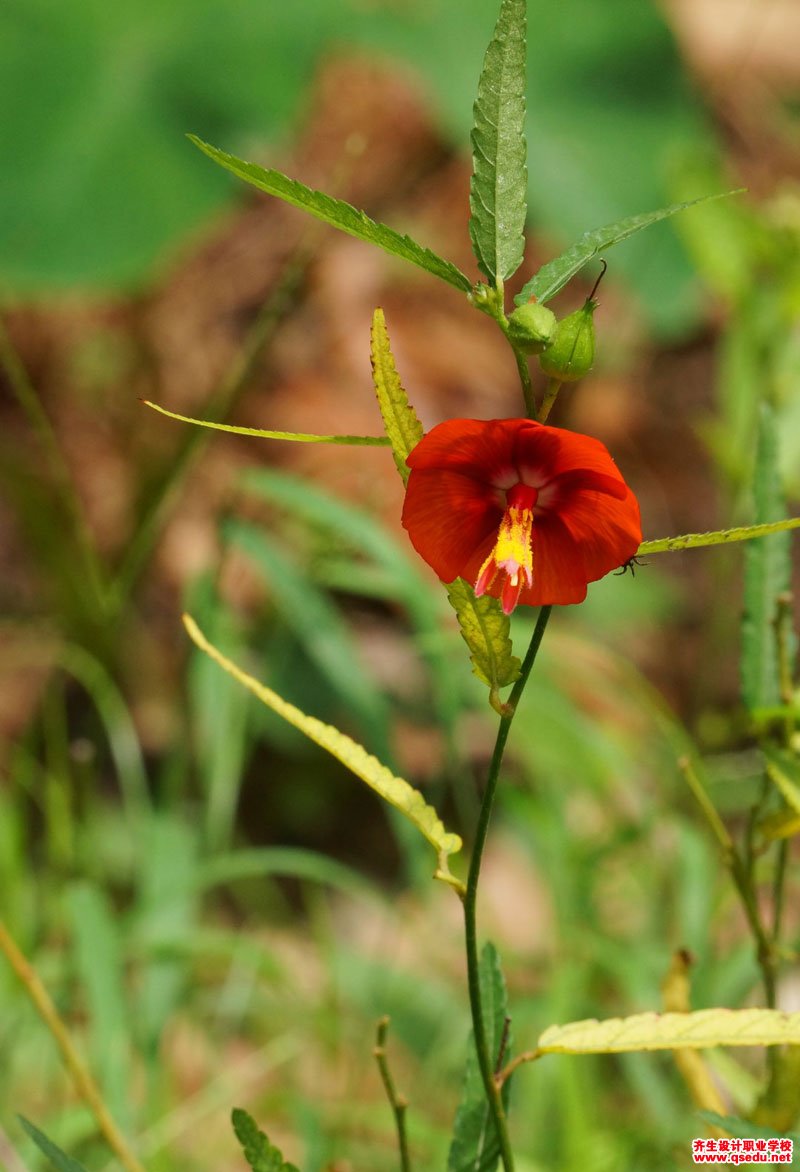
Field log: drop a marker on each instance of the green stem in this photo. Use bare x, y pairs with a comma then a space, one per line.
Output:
397, 1101
487, 1061
741, 869
550, 394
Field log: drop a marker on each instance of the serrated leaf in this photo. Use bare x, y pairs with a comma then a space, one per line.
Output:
261, 1155
673, 1031
767, 574
497, 194
486, 631
403, 428
394, 790
553, 276
58, 1158
302, 437
716, 537
339, 214
474, 1146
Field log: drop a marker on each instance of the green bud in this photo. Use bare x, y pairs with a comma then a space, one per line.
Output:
572, 353
532, 327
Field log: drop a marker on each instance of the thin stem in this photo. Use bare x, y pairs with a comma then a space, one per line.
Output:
742, 875
84, 1083
527, 386
486, 1061
397, 1102
550, 395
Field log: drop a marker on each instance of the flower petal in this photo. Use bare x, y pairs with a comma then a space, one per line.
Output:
549, 454
448, 515
607, 532
481, 448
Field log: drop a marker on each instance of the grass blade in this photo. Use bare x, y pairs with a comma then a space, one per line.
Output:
339, 214
553, 276
497, 195
58, 1158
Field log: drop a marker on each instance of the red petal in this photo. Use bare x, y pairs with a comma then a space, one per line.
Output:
483, 449
579, 460
607, 532
448, 515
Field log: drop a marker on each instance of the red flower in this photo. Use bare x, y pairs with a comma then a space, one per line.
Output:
525, 512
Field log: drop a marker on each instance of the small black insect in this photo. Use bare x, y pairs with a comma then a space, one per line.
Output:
631, 565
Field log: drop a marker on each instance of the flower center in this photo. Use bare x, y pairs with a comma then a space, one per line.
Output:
512, 555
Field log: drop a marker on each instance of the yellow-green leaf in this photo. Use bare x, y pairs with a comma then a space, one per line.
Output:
403, 429
673, 1031
780, 767
717, 537
298, 436
392, 789
485, 630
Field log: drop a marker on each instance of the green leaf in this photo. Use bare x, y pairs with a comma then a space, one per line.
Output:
55, 1155
474, 1147
297, 436
486, 631
767, 574
261, 1155
403, 429
783, 772
394, 790
553, 276
500, 178
743, 1128
673, 1031
338, 213
716, 537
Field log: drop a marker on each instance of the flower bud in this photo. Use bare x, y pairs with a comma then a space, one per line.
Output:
572, 353
532, 327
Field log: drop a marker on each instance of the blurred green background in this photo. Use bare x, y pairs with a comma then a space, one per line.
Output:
220, 913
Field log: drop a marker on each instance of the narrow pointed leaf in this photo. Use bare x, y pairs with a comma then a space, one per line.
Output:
475, 1147
339, 214
497, 196
767, 574
553, 276
743, 1128
378, 441
58, 1158
485, 630
261, 1155
673, 1031
403, 429
783, 772
394, 790
716, 537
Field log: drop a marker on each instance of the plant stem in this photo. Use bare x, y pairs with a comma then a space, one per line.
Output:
397, 1101
84, 1083
554, 385
487, 1061
741, 870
